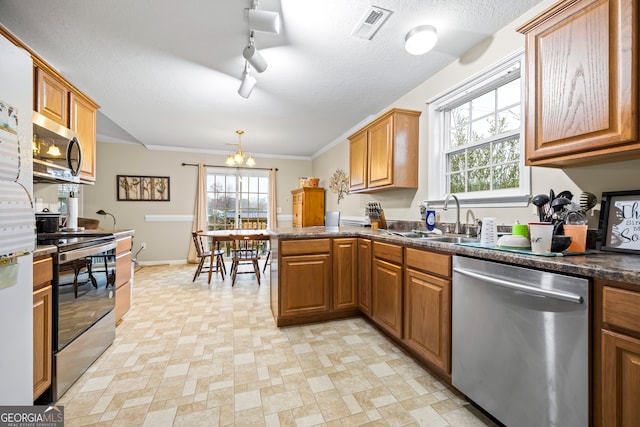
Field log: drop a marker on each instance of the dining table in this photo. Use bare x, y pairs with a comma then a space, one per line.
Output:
228, 235
218, 236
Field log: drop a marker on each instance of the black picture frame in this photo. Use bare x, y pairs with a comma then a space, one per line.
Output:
619, 222
143, 188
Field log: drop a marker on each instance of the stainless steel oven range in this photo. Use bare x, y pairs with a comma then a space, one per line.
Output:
83, 303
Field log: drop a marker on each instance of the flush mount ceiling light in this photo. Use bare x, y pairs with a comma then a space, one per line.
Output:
420, 40
238, 158
254, 57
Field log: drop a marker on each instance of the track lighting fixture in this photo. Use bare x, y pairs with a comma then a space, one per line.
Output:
248, 82
254, 57
259, 20
420, 40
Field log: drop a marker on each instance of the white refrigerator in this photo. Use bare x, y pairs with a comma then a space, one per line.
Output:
17, 222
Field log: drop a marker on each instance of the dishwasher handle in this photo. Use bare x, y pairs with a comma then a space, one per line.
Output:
563, 296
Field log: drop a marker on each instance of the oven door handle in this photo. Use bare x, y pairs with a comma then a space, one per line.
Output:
84, 252
549, 293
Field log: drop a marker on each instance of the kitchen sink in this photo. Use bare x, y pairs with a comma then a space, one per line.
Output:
452, 239
409, 234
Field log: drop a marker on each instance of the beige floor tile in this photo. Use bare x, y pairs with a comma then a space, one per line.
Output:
190, 354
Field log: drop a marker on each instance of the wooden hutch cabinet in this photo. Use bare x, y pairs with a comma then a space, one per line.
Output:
308, 206
582, 83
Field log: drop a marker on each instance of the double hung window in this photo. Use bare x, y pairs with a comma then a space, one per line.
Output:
476, 144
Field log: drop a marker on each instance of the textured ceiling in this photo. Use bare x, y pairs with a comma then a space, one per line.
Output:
166, 72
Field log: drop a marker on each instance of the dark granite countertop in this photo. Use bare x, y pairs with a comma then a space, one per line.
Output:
599, 264
42, 250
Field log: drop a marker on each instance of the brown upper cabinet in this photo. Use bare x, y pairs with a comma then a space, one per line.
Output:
51, 97
582, 83
384, 154
58, 100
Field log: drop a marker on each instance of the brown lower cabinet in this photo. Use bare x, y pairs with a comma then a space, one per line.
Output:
618, 364
345, 274
123, 276
42, 326
305, 278
427, 306
386, 282
364, 275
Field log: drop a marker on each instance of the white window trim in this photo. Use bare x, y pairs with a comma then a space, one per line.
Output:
437, 161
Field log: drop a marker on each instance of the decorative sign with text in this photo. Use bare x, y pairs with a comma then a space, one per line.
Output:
620, 222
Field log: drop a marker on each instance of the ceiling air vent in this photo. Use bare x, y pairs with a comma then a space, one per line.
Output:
371, 22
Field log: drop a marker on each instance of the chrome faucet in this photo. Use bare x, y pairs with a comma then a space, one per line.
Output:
456, 229
468, 224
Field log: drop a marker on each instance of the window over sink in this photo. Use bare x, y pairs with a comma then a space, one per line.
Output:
476, 139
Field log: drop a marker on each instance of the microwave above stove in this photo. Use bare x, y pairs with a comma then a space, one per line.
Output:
57, 152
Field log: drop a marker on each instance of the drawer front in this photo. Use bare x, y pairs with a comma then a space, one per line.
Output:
123, 300
123, 269
42, 271
387, 252
621, 308
123, 245
429, 262
300, 247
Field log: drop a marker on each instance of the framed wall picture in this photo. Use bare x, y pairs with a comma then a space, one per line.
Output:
619, 225
143, 188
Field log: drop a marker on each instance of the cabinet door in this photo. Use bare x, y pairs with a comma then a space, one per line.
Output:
358, 162
381, 154
582, 103
364, 276
305, 282
387, 296
427, 317
83, 123
345, 274
51, 98
42, 352
620, 380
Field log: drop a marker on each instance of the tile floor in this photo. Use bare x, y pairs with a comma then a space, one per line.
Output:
188, 354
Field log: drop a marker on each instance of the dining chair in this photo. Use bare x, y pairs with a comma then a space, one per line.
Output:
214, 256
245, 250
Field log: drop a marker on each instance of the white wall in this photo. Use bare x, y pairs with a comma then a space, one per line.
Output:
167, 241
404, 204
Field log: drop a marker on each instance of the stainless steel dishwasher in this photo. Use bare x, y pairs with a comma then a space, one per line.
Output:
520, 343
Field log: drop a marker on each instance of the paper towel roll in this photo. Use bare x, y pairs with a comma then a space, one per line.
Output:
72, 212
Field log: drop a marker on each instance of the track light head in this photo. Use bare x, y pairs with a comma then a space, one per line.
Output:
247, 84
264, 20
255, 58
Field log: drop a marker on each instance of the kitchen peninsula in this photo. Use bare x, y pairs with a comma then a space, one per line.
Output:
403, 286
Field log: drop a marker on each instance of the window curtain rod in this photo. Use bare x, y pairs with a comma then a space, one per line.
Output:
230, 167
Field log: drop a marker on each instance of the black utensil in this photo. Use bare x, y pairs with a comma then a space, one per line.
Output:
587, 201
540, 200
566, 194
559, 203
